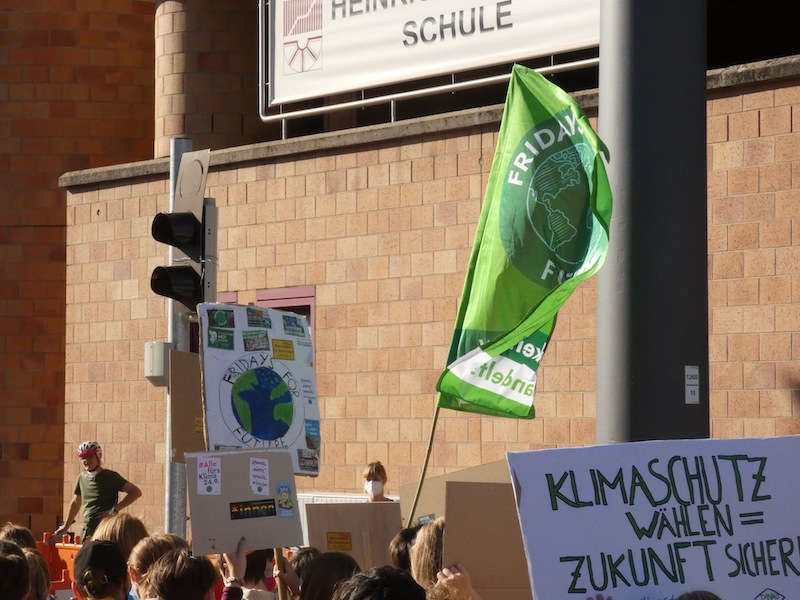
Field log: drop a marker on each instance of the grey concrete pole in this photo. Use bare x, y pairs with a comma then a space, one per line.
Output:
652, 333
177, 336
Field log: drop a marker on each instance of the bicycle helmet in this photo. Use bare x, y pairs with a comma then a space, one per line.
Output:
88, 448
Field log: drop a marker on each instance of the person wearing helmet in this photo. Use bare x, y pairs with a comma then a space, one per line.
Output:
97, 491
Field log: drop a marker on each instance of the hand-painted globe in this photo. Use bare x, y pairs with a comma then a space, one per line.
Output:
262, 403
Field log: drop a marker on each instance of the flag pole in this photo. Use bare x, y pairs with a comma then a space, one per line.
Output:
424, 467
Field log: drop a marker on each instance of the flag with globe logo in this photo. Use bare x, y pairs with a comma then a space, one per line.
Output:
543, 229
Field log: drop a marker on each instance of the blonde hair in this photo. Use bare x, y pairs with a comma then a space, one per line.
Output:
123, 529
147, 552
38, 574
426, 553
375, 470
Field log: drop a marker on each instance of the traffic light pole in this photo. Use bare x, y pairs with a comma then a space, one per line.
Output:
178, 339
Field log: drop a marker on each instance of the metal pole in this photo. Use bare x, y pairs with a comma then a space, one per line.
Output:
652, 334
177, 336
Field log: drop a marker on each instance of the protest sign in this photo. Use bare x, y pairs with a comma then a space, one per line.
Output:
657, 519
431, 503
363, 530
248, 493
259, 386
501, 572
186, 405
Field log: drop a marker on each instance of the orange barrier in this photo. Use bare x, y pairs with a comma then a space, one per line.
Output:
59, 557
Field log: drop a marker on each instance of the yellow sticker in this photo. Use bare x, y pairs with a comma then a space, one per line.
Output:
198, 424
283, 349
340, 540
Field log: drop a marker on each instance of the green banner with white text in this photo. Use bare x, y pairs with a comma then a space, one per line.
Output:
543, 229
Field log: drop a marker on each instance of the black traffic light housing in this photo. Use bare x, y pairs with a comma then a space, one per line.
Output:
191, 276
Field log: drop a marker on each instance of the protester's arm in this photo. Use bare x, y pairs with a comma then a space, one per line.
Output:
457, 581
286, 574
132, 493
233, 566
74, 507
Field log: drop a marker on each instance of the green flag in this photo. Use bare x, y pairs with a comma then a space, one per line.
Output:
543, 229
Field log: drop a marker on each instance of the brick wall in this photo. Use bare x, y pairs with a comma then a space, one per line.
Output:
76, 91
206, 73
754, 269
383, 232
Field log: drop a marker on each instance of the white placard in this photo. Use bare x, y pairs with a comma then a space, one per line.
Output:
658, 519
259, 476
209, 476
259, 385
322, 47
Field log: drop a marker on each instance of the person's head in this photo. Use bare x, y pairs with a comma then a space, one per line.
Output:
90, 454
146, 553
400, 547
257, 562
374, 479
100, 571
122, 529
180, 576
301, 559
324, 572
698, 595
18, 534
38, 574
426, 553
386, 583
14, 573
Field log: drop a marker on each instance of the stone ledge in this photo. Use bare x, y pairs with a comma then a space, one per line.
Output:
767, 70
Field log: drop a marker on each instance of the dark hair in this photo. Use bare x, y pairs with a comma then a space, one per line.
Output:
257, 564
99, 569
38, 574
14, 577
301, 559
698, 595
18, 534
177, 575
324, 572
400, 547
384, 583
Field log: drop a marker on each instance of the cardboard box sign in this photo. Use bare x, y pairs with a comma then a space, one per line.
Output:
432, 497
482, 533
248, 493
186, 404
363, 530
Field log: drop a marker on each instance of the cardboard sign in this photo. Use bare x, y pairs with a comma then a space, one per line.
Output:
431, 502
497, 563
363, 530
657, 519
186, 402
225, 506
259, 386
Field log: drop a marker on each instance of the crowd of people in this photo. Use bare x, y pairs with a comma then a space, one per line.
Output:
120, 560
123, 562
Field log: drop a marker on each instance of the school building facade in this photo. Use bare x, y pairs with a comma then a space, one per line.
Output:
371, 229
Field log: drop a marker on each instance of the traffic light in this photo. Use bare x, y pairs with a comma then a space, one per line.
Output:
190, 229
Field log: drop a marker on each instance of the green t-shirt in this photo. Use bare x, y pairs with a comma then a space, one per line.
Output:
98, 495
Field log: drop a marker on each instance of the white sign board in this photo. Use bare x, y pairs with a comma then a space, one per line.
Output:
657, 519
259, 386
322, 47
